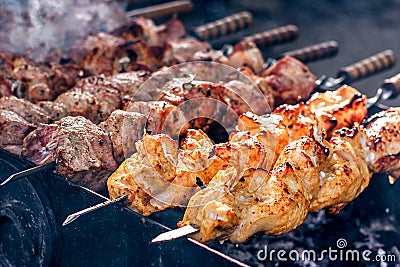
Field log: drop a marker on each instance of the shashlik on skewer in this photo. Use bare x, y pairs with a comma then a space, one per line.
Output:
45, 81
123, 185
257, 145
48, 142
310, 174
96, 97
96, 94
161, 109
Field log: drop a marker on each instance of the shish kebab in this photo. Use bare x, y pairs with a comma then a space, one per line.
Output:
43, 81
115, 140
310, 174
41, 152
96, 97
124, 81
90, 89
141, 199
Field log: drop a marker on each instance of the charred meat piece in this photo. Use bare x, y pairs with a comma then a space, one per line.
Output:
161, 117
55, 110
145, 176
82, 150
94, 98
340, 108
128, 83
80, 103
92, 44
27, 110
291, 81
344, 174
107, 54
154, 35
182, 50
383, 142
106, 93
29, 80
35, 82
125, 128
13, 129
245, 54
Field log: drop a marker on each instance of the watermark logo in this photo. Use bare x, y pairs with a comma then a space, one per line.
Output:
340, 252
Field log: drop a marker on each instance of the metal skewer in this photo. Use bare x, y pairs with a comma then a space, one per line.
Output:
390, 89
176, 233
24, 173
72, 217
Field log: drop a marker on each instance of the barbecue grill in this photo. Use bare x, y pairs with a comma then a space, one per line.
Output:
33, 208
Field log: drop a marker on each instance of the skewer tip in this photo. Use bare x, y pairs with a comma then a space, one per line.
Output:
6, 181
70, 219
176, 233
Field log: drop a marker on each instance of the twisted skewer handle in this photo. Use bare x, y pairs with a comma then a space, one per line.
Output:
274, 36
315, 52
367, 67
224, 26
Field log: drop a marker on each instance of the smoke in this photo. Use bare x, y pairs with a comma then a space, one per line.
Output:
39, 26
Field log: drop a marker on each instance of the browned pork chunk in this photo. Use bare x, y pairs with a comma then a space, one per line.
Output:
82, 150
13, 129
125, 128
27, 110
94, 98
291, 81
383, 141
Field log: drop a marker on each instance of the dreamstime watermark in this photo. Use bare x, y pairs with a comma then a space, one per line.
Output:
338, 253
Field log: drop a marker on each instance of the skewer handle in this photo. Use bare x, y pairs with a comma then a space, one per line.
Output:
275, 36
393, 84
162, 10
315, 52
367, 67
224, 26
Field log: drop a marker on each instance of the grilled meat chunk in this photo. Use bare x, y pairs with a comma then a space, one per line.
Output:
125, 128
35, 82
56, 110
182, 50
154, 35
13, 129
94, 98
107, 54
128, 83
82, 150
245, 54
340, 108
145, 176
161, 117
27, 110
94, 43
291, 81
383, 142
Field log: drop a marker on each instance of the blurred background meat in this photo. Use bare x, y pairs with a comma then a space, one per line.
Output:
42, 25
